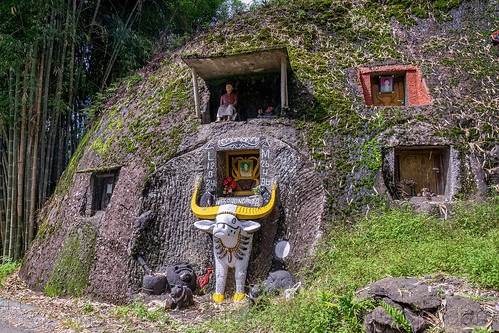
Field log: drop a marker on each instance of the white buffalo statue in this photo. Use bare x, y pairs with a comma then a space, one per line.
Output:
232, 231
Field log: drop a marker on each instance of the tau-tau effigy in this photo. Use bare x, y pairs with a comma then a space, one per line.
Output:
232, 231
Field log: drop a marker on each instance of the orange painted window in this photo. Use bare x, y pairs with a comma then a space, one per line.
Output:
408, 86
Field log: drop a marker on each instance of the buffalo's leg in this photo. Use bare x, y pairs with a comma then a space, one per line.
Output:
221, 276
240, 268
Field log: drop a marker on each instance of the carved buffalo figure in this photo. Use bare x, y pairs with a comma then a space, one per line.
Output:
232, 229
275, 282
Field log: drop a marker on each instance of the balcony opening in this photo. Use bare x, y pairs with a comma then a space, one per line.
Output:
259, 78
254, 92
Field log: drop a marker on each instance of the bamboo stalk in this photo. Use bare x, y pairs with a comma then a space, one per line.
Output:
36, 140
21, 162
10, 148
42, 191
2, 195
15, 151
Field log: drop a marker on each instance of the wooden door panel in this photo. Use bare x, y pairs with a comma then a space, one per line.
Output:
418, 168
395, 98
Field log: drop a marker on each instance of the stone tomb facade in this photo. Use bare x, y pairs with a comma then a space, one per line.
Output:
422, 168
101, 188
246, 160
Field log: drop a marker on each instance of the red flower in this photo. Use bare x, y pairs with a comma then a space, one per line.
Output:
228, 185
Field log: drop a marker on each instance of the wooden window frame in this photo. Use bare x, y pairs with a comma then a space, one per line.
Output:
231, 170
101, 197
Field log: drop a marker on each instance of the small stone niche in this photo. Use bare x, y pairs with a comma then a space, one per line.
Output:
393, 86
103, 185
247, 160
420, 171
243, 167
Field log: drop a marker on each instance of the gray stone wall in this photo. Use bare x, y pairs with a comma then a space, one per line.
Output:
170, 237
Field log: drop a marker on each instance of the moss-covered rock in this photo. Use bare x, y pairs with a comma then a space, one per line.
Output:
149, 120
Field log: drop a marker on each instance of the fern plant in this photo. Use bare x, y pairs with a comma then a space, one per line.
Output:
350, 308
398, 316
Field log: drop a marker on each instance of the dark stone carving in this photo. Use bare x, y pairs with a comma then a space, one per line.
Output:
154, 285
275, 282
142, 220
181, 296
144, 265
208, 198
463, 313
181, 275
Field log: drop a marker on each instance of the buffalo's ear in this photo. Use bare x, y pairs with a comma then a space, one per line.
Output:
205, 225
250, 226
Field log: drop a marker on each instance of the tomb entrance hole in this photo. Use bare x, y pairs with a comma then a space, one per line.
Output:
420, 171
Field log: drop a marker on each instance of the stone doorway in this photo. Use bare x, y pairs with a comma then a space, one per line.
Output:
103, 188
417, 169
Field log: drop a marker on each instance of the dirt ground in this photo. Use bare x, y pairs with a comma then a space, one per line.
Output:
29, 311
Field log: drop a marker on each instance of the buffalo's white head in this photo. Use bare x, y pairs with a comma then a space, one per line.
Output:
226, 225
225, 213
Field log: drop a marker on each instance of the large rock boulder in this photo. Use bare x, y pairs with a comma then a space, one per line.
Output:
407, 291
429, 303
149, 215
464, 315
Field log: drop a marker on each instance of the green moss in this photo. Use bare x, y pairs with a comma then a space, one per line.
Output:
72, 265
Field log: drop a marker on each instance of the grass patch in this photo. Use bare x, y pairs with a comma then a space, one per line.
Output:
312, 310
7, 267
395, 242
140, 311
401, 243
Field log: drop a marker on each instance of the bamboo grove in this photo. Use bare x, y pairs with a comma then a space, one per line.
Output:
57, 58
